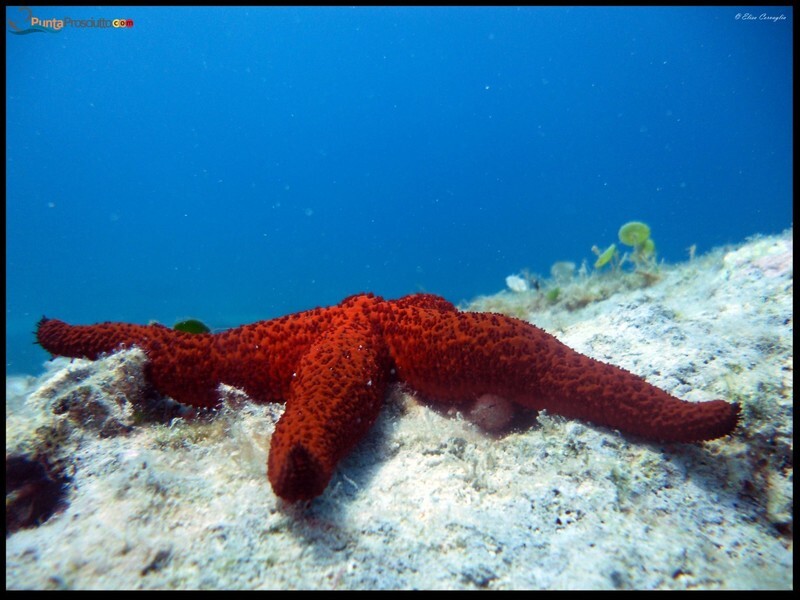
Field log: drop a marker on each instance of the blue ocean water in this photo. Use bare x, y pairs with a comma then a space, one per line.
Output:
235, 164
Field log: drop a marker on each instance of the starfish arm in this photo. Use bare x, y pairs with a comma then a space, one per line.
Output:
334, 400
580, 387
90, 341
183, 366
189, 367
457, 357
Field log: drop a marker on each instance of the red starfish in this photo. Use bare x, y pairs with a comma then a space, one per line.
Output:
332, 365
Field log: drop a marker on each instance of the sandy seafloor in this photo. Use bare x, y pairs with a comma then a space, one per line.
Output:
427, 500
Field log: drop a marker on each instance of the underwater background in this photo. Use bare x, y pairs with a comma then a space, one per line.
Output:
236, 164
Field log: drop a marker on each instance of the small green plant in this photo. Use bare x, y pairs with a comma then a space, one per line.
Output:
634, 233
637, 235
192, 326
603, 258
553, 294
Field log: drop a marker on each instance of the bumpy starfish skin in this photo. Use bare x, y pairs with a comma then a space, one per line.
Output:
332, 365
